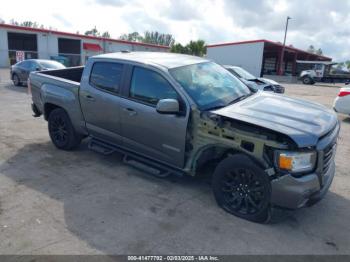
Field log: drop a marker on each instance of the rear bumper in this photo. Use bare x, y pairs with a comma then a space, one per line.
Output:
291, 192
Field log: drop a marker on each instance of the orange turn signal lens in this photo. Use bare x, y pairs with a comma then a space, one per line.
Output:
285, 162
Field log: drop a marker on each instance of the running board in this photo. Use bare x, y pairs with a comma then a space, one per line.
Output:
137, 161
101, 147
155, 171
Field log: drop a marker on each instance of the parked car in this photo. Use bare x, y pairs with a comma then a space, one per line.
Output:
342, 101
172, 114
260, 83
20, 71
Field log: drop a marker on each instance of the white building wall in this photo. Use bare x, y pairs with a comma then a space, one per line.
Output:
48, 46
4, 53
249, 56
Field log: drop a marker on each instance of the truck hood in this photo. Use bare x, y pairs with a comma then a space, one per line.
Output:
304, 122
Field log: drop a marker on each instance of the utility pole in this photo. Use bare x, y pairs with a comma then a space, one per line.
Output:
281, 69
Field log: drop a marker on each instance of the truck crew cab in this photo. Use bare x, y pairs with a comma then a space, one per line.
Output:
173, 113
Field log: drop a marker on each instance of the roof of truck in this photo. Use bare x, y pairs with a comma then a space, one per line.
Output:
168, 60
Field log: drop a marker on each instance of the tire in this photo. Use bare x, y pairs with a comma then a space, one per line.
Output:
308, 80
61, 130
16, 80
242, 188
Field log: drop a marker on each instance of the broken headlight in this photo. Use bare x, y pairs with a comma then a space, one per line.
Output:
295, 162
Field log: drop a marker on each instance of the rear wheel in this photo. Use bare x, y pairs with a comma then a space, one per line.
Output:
16, 80
242, 188
61, 130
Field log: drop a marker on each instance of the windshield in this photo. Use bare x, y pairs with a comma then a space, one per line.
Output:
209, 85
51, 65
243, 73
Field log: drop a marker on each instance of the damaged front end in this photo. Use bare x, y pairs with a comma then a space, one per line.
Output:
211, 136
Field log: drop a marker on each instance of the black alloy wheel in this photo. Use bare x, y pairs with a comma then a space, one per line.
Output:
243, 192
61, 130
242, 188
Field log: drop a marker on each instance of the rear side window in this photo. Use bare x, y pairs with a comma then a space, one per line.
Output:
149, 87
106, 76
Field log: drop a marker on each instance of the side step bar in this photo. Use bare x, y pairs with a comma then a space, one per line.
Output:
145, 167
139, 162
101, 147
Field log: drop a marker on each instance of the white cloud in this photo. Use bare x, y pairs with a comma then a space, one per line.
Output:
321, 23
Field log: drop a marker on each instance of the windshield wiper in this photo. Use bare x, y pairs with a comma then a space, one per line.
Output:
230, 103
215, 107
240, 98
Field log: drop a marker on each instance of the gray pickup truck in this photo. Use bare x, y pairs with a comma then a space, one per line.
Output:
174, 114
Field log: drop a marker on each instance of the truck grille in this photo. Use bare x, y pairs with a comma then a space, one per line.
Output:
327, 157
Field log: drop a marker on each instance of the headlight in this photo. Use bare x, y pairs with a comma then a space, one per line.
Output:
296, 162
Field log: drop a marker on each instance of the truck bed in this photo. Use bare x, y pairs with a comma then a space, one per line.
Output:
72, 73
59, 88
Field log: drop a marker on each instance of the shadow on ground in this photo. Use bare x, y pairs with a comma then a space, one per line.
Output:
116, 209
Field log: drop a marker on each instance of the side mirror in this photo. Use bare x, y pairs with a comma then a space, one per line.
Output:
37, 69
168, 106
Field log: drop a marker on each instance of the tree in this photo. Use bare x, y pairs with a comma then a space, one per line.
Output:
92, 32
347, 63
319, 52
197, 48
179, 48
135, 37
157, 38
311, 49
106, 35
27, 24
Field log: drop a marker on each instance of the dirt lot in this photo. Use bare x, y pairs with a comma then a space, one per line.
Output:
54, 202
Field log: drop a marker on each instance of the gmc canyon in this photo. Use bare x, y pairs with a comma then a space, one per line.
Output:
172, 114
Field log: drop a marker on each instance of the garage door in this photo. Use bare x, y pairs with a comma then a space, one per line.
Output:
70, 49
22, 42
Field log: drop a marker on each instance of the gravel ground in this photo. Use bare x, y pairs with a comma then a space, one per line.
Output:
55, 202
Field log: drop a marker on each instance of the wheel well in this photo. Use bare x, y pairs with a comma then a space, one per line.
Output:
48, 108
212, 156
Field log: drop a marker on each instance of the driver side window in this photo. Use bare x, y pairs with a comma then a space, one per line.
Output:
149, 87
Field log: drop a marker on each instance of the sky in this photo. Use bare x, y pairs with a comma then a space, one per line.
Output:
324, 24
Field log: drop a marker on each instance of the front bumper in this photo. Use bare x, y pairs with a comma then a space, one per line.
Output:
296, 192
291, 192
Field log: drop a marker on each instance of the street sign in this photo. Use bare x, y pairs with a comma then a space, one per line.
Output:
19, 56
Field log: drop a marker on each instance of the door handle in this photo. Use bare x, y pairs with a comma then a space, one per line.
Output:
131, 111
89, 97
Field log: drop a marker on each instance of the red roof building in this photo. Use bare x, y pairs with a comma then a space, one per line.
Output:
261, 56
69, 48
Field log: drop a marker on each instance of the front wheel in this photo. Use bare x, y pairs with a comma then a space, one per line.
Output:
242, 188
308, 80
61, 130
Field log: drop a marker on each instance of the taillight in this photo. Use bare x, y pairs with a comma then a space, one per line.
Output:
343, 93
